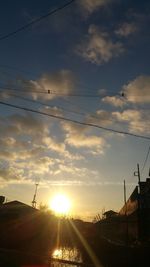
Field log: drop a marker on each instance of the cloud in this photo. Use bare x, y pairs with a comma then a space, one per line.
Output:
60, 148
7, 141
98, 48
115, 101
28, 124
69, 174
53, 145
28, 136
41, 165
48, 86
57, 84
126, 29
30, 150
8, 174
55, 111
76, 136
89, 6
84, 141
138, 90
136, 120
7, 155
101, 117
69, 169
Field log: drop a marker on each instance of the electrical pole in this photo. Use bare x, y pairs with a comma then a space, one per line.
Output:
125, 199
137, 173
126, 213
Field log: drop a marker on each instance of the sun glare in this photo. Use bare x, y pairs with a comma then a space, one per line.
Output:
60, 204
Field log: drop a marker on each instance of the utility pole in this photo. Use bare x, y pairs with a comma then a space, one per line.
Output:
34, 197
137, 173
126, 213
125, 199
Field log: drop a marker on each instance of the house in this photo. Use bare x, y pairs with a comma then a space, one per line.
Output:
17, 222
109, 214
26, 230
131, 205
139, 199
133, 220
15, 209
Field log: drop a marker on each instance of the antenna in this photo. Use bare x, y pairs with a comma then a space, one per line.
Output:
34, 197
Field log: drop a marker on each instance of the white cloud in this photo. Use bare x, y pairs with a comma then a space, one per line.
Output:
48, 86
54, 145
41, 166
77, 136
80, 140
98, 48
138, 90
136, 120
89, 6
101, 117
115, 101
69, 169
55, 111
76, 175
126, 29
57, 84
28, 124
30, 150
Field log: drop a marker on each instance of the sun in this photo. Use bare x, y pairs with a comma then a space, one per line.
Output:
60, 204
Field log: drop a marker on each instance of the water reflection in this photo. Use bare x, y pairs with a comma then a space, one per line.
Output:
67, 254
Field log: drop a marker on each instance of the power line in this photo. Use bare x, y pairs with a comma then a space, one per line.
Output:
64, 109
2, 88
75, 95
37, 73
34, 21
67, 110
51, 92
110, 93
43, 104
74, 121
145, 160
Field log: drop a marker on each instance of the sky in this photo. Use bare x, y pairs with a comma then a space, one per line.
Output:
86, 68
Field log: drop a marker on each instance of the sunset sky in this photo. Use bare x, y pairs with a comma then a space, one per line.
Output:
94, 58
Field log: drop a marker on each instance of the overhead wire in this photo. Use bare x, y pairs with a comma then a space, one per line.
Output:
66, 110
74, 121
34, 21
3, 88
29, 89
51, 106
47, 91
96, 116
43, 104
85, 86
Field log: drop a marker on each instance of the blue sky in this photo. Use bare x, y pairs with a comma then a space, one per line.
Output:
94, 50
